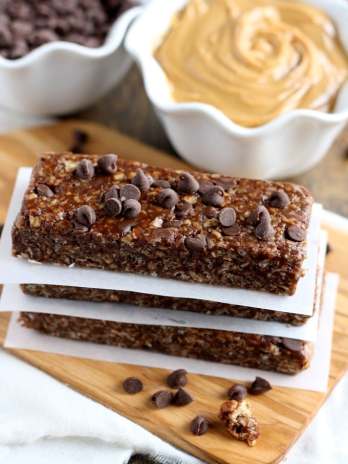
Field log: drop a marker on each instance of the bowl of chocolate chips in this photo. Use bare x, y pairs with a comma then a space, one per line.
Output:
59, 56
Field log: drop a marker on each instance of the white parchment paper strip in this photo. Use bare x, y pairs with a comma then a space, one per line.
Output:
13, 299
14, 271
314, 378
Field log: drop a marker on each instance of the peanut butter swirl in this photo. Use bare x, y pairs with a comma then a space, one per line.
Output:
254, 59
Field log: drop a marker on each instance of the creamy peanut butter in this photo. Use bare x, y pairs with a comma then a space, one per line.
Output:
254, 59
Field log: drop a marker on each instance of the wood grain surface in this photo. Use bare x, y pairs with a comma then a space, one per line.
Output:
283, 413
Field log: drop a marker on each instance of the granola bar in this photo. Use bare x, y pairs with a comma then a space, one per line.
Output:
104, 212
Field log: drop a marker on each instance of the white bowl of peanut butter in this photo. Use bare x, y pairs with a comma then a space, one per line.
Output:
253, 88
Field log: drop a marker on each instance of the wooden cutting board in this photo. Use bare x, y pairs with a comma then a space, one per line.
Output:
283, 413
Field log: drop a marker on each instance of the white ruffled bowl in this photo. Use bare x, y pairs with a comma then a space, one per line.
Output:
63, 77
289, 145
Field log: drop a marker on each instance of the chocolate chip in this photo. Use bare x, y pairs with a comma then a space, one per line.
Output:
278, 199
292, 344
131, 208
204, 186
108, 163
255, 216
295, 233
231, 231
44, 190
259, 386
237, 392
142, 181
199, 425
85, 169
177, 378
329, 249
125, 228
113, 192
264, 230
182, 398
226, 183
182, 209
132, 385
85, 215
167, 198
197, 243
113, 207
81, 137
227, 217
161, 183
210, 212
214, 196
162, 399
129, 192
187, 183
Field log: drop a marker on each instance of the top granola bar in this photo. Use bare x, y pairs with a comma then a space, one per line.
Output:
104, 212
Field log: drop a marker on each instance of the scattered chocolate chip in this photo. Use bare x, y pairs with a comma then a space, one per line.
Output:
295, 233
85, 215
187, 183
44, 190
278, 199
329, 249
182, 398
161, 183
292, 344
129, 192
108, 164
113, 192
182, 209
227, 217
199, 425
142, 181
132, 385
204, 186
167, 198
84, 170
237, 392
113, 207
214, 196
177, 378
231, 231
131, 208
80, 138
162, 399
197, 243
259, 386
210, 212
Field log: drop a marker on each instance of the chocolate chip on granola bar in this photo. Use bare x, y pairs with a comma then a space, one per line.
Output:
142, 181
167, 198
113, 207
182, 398
44, 190
177, 378
231, 231
255, 215
214, 196
131, 208
259, 386
237, 392
182, 209
278, 199
199, 425
210, 212
292, 344
295, 233
227, 217
132, 385
204, 186
108, 163
187, 183
129, 192
84, 170
85, 215
264, 230
162, 399
113, 192
197, 243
